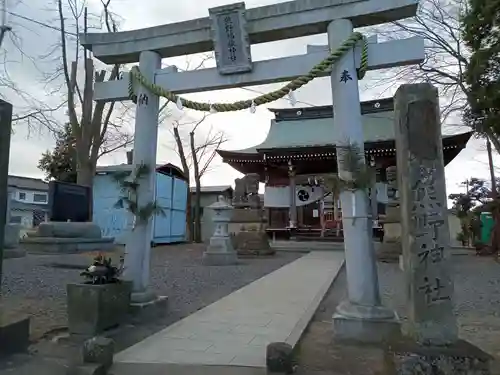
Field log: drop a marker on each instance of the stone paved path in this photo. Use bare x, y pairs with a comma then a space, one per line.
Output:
36, 285
236, 329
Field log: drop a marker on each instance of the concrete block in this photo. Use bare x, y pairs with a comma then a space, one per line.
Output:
95, 308
14, 336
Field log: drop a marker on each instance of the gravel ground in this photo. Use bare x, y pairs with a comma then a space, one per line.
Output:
477, 298
32, 286
477, 302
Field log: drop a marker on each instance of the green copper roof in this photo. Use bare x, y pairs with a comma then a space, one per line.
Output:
314, 127
321, 132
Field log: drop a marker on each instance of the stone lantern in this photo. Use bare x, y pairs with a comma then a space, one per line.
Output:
220, 251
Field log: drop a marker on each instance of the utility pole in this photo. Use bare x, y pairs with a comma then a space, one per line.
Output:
5, 131
492, 170
4, 29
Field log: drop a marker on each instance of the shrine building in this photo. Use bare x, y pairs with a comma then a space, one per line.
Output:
300, 148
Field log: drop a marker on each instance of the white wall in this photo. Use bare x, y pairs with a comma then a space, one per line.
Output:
29, 196
279, 196
26, 218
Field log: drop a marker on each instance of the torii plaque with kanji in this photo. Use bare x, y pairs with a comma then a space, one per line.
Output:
230, 37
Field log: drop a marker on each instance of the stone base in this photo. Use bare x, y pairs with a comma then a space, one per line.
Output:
389, 251
220, 259
14, 336
220, 252
142, 297
365, 324
62, 229
92, 309
13, 253
406, 357
152, 309
57, 245
12, 235
252, 243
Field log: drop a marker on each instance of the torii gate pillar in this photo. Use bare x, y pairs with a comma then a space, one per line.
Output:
361, 317
138, 248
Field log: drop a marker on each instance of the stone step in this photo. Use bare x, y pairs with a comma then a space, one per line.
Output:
307, 246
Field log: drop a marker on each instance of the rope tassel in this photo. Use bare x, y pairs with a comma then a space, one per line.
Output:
136, 76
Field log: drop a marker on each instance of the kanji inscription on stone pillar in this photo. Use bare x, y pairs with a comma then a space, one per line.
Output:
425, 238
230, 36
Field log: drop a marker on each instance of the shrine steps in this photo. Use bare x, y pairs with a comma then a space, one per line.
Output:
316, 238
307, 246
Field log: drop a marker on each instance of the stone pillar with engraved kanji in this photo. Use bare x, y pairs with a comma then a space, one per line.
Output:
432, 345
425, 232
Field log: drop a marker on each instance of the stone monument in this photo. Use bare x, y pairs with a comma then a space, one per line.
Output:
249, 218
220, 251
14, 330
431, 344
67, 238
246, 192
390, 248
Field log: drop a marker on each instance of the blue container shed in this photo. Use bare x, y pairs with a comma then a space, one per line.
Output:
171, 194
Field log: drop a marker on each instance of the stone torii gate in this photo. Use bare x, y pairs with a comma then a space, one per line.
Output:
230, 30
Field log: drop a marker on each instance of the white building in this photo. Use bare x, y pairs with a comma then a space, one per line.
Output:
28, 203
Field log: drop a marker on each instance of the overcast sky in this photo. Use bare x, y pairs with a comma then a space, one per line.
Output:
243, 129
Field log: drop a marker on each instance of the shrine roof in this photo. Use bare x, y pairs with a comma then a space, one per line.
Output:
311, 127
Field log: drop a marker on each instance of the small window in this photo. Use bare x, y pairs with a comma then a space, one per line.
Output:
40, 198
22, 196
15, 219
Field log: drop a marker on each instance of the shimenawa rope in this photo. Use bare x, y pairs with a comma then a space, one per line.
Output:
136, 76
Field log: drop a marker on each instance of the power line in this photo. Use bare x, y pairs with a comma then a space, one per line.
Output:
74, 34
39, 23
247, 89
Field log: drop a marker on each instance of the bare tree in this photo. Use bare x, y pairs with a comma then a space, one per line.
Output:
437, 21
446, 57
92, 123
196, 157
97, 127
4, 28
28, 109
